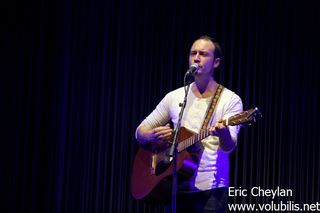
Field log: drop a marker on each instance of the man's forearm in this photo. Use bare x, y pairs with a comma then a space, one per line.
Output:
143, 135
227, 143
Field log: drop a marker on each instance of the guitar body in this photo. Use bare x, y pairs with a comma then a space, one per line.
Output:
152, 173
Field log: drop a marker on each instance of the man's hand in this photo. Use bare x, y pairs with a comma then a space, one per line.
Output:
226, 143
220, 130
158, 134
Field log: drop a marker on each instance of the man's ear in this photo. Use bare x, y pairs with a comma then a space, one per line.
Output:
216, 62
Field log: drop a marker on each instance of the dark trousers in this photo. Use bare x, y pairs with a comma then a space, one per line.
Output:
215, 200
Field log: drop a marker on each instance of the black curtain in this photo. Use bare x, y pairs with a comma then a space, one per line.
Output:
78, 76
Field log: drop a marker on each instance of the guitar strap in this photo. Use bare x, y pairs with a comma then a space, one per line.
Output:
211, 107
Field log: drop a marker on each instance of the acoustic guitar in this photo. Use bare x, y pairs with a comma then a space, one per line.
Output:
152, 169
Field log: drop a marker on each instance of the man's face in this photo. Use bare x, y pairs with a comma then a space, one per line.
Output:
202, 53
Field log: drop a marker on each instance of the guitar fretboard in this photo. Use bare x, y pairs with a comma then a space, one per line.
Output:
246, 117
192, 140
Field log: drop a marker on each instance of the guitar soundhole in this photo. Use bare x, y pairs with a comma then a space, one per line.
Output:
162, 166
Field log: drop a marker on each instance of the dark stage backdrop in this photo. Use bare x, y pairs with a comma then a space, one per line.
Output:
78, 76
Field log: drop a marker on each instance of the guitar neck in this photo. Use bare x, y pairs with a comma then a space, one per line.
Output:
198, 137
246, 117
192, 140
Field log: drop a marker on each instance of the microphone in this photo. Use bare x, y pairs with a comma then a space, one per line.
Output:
192, 69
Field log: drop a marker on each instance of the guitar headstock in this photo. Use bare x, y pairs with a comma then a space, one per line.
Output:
246, 117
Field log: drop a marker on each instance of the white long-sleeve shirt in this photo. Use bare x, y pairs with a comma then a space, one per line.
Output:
213, 170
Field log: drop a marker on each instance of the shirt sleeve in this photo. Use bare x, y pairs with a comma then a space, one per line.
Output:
160, 115
235, 107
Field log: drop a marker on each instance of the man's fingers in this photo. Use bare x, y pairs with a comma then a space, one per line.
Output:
213, 130
165, 136
165, 132
162, 132
217, 129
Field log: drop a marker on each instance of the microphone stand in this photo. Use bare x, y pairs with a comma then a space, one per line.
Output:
173, 150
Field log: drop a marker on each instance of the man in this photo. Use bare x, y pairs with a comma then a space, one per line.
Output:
206, 190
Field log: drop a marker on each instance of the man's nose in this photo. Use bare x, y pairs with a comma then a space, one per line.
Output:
196, 58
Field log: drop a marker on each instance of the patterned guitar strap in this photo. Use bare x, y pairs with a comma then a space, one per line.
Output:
210, 110
211, 107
